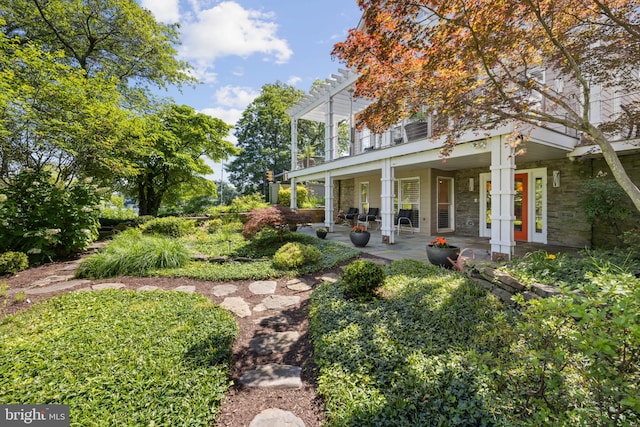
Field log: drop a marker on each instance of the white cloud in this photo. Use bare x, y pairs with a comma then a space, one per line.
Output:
294, 80
229, 116
228, 29
236, 96
164, 10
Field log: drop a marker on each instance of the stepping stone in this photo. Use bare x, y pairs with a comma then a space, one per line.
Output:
56, 287
147, 288
299, 287
103, 286
222, 290
281, 320
185, 288
277, 302
273, 376
263, 287
46, 281
71, 266
280, 342
330, 277
237, 306
274, 417
259, 308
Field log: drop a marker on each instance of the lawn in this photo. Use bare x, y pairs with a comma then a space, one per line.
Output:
120, 357
435, 349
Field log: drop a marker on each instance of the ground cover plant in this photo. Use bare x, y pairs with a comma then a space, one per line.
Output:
120, 357
571, 271
436, 349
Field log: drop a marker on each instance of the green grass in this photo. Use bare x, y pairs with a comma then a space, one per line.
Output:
120, 357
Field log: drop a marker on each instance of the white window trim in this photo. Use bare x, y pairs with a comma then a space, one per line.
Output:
532, 175
452, 204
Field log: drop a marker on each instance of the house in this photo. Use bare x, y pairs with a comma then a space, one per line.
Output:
482, 189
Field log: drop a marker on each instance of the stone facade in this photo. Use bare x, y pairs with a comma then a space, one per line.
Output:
344, 193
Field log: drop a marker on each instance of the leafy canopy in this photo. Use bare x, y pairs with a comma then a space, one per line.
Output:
477, 65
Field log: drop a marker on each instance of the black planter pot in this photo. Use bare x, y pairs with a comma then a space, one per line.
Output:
360, 239
439, 256
321, 234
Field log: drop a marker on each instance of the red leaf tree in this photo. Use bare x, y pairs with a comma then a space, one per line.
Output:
476, 64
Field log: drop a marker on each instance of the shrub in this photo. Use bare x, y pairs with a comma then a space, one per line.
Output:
605, 202
114, 210
576, 359
361, 278
46, 220
247, 203
12, 262
169, 226
131, 253
279, 218
214, 225
294, 254
631, 240
284, 196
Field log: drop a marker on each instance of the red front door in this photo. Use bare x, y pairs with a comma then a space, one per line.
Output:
521, 208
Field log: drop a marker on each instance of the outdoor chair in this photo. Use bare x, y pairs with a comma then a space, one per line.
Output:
371, 216
351, 216
404, 218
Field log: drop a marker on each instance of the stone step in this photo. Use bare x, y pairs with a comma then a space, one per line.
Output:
263, 287
237, 305
274, 417
278, 342
273, 376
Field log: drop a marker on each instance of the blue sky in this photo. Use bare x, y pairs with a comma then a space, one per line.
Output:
237, 46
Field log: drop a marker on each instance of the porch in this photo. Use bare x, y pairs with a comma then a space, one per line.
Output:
413, 245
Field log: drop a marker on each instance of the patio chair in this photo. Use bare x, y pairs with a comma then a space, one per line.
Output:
404, 218
350, 216
371, 215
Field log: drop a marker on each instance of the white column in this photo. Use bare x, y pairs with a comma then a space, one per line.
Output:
386, 198
502, 199
328, 201
329, 132
294, 143
294, 195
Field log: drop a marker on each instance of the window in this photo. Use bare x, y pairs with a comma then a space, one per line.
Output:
408, 197
445, 204
364, 197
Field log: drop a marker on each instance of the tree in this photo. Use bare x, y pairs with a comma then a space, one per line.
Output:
116, 38
52, 117
476, 65
264, 137
74, 75
179, 138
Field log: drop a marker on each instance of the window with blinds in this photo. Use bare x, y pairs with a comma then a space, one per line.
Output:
408, 197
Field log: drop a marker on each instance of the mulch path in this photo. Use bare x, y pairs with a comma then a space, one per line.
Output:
242, 403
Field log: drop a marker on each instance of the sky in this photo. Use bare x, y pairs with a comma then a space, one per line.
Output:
237, 46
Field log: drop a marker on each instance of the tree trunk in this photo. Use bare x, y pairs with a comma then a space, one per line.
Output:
148, 198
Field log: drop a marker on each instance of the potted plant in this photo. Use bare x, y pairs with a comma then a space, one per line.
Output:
441, 253
359, 236
321, 232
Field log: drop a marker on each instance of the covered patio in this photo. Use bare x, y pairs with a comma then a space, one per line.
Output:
413, 245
